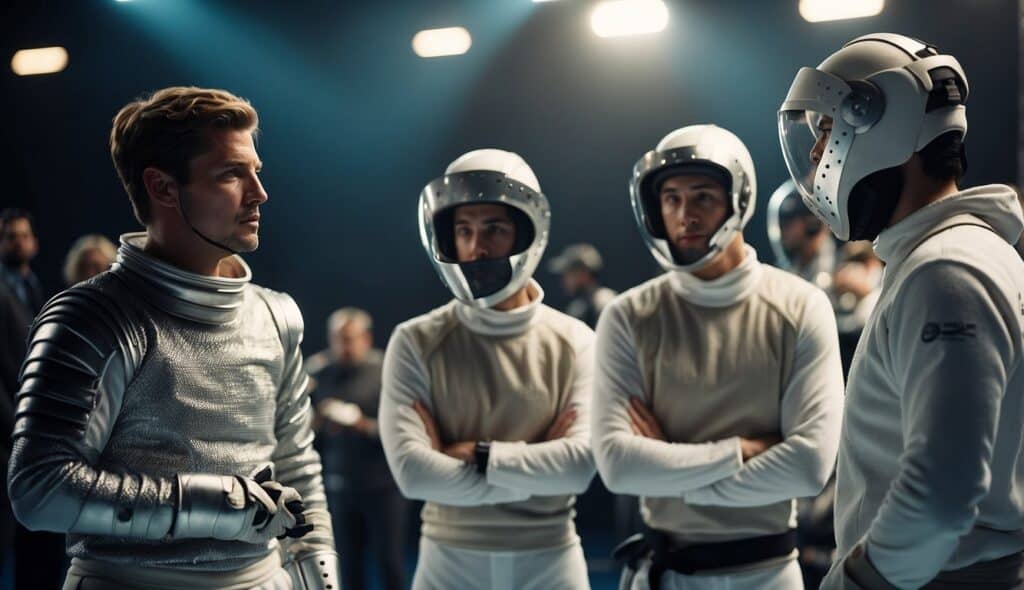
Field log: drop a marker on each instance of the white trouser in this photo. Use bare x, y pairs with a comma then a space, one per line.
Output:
266, 574
441, 567
783, 576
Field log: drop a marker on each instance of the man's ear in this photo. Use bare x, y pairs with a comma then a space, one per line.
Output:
161, 187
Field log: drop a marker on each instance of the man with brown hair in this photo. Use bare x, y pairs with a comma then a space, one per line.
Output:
162, 420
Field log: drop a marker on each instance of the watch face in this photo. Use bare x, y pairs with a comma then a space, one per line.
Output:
481, 454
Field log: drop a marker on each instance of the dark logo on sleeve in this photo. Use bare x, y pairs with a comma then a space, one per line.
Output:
949, 331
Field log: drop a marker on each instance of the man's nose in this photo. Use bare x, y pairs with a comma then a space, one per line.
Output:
257, 194
688, 215
480, 249
818, 150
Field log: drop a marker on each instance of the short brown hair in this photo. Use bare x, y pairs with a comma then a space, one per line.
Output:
168, 129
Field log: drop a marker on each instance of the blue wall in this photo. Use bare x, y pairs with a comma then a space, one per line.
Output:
354, 124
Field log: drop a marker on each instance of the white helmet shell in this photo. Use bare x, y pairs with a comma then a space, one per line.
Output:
695, 149
485, 176
785, 197
887, 96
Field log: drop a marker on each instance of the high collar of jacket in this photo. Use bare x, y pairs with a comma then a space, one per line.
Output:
493, 322
730, 288
995, 204
200, 298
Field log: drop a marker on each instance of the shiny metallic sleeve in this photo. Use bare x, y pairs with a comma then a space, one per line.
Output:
316, 570
83, 352
296, 464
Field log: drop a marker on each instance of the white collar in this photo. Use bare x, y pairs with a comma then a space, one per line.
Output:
492, 322
726, 290
200, 298
995, 204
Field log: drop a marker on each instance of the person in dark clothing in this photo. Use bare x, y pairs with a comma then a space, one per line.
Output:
369, 512
39, 560
18, 246
14, 324
579, 266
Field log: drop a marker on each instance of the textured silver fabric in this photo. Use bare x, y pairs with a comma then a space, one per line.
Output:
142, 374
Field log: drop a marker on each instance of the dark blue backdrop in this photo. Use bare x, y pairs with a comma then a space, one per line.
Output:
354, 124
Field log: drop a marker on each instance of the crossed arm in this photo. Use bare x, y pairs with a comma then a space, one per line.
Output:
634, 456
429, 468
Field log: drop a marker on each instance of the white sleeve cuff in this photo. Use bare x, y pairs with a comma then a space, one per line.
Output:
504, 458
731, 452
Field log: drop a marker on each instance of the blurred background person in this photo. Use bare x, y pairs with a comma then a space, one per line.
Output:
851, 278
89, 256
14, 325
800, 242
579, 267
856, 283
368, 511
39, 560
18, 246
855, 287
803, 246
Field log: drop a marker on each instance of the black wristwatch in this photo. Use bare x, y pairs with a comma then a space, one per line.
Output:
481, 454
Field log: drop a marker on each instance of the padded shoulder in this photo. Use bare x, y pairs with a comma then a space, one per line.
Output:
787, 294
643, 300
83, 343
573, 332
429, 330
286, 314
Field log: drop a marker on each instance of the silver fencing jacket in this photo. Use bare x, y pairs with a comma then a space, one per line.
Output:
147, 372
